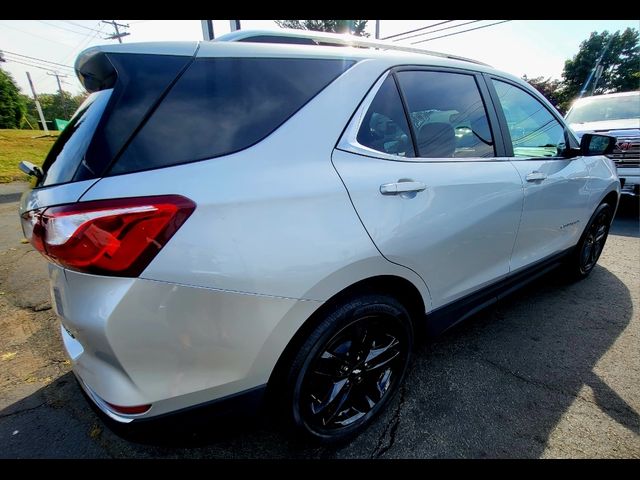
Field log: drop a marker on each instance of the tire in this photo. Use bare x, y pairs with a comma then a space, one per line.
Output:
348, 369
587, 252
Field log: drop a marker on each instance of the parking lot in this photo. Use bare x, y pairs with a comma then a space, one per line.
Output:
553, 371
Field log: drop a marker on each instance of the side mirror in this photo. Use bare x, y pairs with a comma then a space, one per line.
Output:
592, 144
30, 169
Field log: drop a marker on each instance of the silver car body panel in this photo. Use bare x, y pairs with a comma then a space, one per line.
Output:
275, 235
53, 195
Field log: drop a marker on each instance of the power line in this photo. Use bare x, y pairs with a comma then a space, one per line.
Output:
81, 26
415, 30
83, 43
38, 59
438, 30
463, 31
61, 27
31, 65
11, 58
79, 46
35, 35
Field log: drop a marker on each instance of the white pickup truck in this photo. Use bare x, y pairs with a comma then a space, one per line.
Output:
617, 115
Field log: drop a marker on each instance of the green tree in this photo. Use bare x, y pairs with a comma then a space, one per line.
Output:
30, 115
620, 65
12, 107
356, 27
53, 106
551, 89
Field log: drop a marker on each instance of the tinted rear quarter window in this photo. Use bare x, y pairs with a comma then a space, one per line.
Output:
223, 105
384, 127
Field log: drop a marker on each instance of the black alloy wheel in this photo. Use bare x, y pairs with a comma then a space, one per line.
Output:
588, 250
594, 241
356, 363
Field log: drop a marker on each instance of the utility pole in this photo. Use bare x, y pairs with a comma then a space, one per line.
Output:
63, 103
597, 71
38, 107
115, 25
207, 29
377, 29
235, 25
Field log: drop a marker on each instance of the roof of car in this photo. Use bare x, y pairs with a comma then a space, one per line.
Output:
310, 37
333, 46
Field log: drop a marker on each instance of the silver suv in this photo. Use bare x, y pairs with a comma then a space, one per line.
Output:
278, 214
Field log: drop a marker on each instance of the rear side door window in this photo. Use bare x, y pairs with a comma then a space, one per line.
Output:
447, 114
534, 131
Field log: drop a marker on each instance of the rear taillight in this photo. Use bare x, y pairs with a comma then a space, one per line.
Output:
111, 237
31, 227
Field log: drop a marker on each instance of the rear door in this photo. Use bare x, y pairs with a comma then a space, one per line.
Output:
555, 187
423, 169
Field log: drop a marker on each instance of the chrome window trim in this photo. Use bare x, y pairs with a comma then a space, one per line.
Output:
349, 140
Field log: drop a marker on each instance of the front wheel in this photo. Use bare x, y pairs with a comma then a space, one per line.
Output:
591, 244
349, 368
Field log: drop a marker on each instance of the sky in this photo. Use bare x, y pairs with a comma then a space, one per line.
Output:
532, 47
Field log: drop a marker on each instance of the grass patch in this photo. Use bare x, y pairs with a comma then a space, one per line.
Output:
17, 145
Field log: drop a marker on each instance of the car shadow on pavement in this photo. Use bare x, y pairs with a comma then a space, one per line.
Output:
495, 386
627, 221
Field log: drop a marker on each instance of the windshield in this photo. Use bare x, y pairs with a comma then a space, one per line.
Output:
596, 109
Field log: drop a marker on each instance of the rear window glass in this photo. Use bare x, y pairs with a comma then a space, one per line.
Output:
72, 144
107, 119
223, 105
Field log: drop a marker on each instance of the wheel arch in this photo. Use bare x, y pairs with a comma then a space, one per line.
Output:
613, 199
398, 287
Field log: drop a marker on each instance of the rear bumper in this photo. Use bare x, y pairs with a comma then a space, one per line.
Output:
143, 342
244, 403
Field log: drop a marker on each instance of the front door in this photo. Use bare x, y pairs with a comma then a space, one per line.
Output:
431, 192
555, 188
